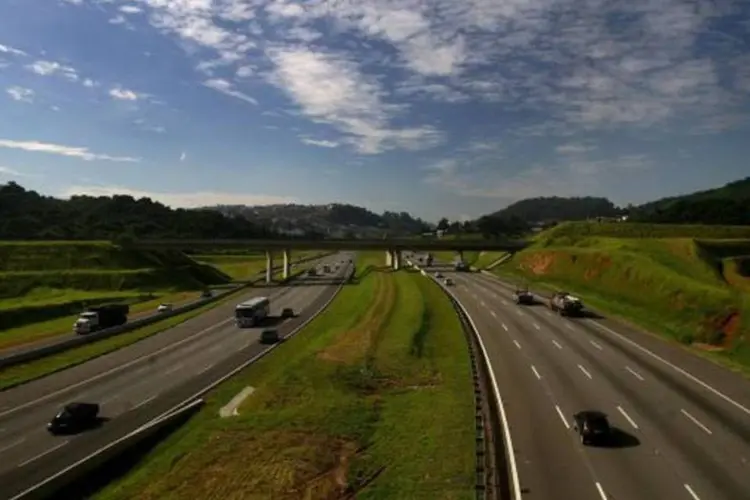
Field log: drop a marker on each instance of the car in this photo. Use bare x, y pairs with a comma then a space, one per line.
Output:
164, 308
448, 282
206, 294
287, 312
312, 272
523, 296
74, 417
438, 274
269, 336
592, 426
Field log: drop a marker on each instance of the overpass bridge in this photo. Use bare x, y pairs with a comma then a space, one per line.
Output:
392, 247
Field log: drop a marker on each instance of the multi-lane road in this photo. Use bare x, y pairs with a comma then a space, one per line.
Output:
683, 423
140, 381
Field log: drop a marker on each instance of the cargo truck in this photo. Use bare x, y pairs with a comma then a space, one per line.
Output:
565, 304
101, 317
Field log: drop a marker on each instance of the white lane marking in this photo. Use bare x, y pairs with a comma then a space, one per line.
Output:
12, 444
206, 368
635, 373
505, 303
537, 326
595, 345
481, 302
601, 491
110, 399
584, 371
692, 493
37, 457
533, 368
696, 421
474, 295
562, 417
517, 344
674, 367
518, 311
174, 368
557, 344
144, 402
568, 325
627, 417
547, 312
493, 314
504, 327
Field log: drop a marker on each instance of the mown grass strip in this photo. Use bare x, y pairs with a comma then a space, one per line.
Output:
16, 375
373, 398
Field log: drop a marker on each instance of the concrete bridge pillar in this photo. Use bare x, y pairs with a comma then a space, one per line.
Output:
460, 254
397, 260
389, 258
269, 266
287, 265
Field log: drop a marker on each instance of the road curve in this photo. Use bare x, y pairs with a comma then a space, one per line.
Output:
137, 382
683, 423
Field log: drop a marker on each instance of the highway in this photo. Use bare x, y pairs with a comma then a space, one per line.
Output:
683, 423
138, 382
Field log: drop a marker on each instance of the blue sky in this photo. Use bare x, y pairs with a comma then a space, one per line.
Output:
437, 107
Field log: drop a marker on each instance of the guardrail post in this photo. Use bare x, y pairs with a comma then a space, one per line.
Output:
269, 266
286, 263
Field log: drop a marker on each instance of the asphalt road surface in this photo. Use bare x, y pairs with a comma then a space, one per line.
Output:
131, 382
683, 423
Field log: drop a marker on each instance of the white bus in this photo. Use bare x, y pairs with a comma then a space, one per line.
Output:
250, 312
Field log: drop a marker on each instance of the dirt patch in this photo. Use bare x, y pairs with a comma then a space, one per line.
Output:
352, 345
721, 331
538, 263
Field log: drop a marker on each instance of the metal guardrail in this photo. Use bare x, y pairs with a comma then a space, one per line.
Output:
33, 354
48, 487
496, 471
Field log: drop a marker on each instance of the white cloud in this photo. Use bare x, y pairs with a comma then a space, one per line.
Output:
320, 143
226, 87
183, 156
88, 82
181, 200
47, 68
20, 94
130, 9
122, 94
6, 49
10, 171
573, 148
245, 71
59, 149
331, 90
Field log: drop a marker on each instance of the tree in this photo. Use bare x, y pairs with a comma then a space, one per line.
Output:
443, 224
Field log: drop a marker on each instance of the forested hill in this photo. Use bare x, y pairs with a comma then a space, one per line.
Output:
729, 204
554, 208
28, 215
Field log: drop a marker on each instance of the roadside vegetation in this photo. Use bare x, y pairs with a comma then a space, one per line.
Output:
372, 399
44, 285
690, 283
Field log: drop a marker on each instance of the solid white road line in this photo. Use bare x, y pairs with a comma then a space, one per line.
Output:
557, 344
696, 421
627, 417
585, 372
692, 493
12, 444
674, 367
517, 344
537, 326
562, 417
595, 345
37, 457
635, 373
601, 491
533, 368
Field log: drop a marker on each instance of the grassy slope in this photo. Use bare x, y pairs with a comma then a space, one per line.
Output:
375, 389
657, 276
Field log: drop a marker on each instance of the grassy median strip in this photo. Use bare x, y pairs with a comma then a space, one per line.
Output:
373, 399
19, 374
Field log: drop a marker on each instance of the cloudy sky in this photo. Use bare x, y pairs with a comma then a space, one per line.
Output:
438, 107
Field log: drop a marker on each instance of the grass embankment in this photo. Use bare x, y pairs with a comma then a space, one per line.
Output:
680, 281
373, 398
44, 285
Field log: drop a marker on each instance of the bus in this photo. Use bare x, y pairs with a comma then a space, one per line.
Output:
251, 312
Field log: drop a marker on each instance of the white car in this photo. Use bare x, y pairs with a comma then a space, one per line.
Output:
164, 308
438, 274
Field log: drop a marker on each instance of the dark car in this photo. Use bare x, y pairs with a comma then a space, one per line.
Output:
523, 296
269, 336
74, 417
206, 294
287, 312
593, 427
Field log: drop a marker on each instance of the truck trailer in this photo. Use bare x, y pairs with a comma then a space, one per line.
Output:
101, 317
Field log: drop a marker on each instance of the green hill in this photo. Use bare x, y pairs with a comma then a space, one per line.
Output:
691, 283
